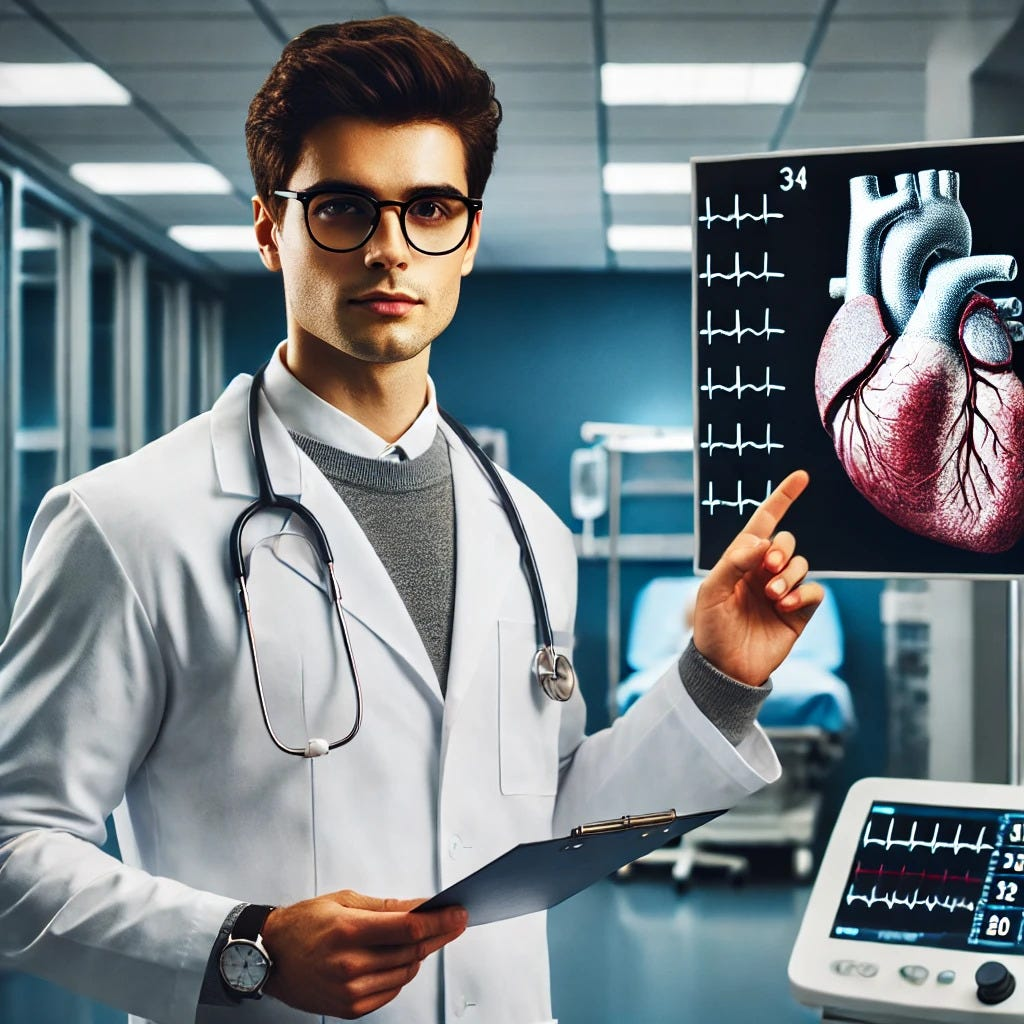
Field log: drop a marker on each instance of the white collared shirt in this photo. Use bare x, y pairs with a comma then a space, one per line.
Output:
304, 412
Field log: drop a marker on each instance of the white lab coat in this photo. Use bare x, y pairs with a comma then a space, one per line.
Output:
126, 673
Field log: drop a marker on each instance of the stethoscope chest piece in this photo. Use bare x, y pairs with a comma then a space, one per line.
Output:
555, 673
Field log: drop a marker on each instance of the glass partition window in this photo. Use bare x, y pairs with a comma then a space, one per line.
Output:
106, 291
40, 242
157, 311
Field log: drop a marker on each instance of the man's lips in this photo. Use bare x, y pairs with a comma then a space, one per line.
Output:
386, 303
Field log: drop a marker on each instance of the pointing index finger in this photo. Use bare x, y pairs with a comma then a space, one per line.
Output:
769, 513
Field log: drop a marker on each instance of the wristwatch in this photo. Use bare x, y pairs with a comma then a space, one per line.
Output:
244, 962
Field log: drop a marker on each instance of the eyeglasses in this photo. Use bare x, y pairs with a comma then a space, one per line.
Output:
435, 224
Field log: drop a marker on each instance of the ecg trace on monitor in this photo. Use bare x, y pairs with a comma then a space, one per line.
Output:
740, 503
737, 217
738, 330
945, 877
737, 387
738, 274
739, 444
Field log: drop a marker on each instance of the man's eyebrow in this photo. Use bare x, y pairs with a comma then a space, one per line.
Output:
339, 185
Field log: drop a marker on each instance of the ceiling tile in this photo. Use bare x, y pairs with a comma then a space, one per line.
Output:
89, 8
219, 122
683, 149
889, 89
24, 40
85, 150
422, 8
497, 41
220, 86
717, 8
515, 87
317, 12
650, 209
857, 127
515, 158
652, 39
161, 41
572, 125
168, 210
926, 8
654, 261
892, 40
651, 124
81, 123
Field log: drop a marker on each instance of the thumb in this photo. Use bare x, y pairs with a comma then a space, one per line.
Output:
359, 901
743, 555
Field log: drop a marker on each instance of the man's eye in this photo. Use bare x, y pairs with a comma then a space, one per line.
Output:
329, 207
432, 209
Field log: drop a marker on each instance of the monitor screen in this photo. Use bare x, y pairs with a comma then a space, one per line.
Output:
924, 875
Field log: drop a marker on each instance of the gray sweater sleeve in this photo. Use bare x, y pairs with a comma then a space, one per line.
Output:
729, 705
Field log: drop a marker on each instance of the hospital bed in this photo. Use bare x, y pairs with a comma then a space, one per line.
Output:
807, 717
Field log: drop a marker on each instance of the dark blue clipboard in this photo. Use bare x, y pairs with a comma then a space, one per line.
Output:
537, 876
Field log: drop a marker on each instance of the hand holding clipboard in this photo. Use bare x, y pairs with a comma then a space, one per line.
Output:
537, 876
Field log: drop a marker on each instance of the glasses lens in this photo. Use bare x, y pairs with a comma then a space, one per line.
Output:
341, 220
436, 224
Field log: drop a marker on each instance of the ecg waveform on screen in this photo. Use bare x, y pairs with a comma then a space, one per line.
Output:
934, 844
739, 444
737, 216
903, 874
909, 901
737, 387
738, 274
740, 503
738, 330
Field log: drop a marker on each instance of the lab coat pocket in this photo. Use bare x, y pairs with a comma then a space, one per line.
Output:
528, 720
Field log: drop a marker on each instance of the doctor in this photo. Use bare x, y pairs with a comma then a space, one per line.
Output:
127, 681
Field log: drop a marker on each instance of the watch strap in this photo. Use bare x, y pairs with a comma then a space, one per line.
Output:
250, 921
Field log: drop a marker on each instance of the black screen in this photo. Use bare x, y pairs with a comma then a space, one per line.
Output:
951, 877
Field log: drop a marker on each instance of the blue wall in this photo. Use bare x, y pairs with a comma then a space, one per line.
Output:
538, 354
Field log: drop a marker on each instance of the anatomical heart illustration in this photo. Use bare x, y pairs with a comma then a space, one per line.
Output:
914, 380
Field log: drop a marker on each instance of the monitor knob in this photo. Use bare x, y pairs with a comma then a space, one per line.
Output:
995, 982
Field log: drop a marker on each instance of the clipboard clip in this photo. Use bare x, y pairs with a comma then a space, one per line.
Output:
626, 821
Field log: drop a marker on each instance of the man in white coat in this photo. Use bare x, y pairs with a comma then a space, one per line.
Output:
126, 681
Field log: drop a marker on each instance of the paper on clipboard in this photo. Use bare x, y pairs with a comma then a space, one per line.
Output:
537, 876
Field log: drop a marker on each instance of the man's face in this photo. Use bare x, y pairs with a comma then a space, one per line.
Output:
384, 302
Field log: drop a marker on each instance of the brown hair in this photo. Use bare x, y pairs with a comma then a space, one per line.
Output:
388, 70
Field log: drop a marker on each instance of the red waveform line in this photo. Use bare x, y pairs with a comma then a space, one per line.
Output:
904, 873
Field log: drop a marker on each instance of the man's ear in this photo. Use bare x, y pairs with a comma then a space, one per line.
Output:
472, 244
266, 234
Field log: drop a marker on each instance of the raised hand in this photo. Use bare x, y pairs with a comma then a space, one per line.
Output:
754, 604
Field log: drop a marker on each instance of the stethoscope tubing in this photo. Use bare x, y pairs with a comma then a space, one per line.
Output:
554, 671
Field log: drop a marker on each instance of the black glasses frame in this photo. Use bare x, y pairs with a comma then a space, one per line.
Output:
305, 197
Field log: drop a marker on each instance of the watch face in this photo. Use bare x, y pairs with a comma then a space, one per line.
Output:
244, 966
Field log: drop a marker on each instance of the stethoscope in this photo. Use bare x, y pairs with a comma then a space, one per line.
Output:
554, 671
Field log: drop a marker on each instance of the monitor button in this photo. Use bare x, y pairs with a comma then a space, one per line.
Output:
914, 973
946, 977
995, 982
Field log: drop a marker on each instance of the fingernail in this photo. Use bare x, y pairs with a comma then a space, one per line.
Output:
459, 918
777, 586
774, 560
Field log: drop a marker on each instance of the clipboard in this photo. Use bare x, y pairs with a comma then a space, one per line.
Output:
536, 876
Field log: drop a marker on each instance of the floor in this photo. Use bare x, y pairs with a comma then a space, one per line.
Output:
633, 952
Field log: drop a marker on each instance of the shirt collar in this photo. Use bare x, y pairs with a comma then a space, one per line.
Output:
304, 412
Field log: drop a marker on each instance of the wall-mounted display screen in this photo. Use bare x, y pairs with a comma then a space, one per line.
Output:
857, 313
924, 875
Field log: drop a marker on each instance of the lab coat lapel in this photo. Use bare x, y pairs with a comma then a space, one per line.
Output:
486, 559
368, 593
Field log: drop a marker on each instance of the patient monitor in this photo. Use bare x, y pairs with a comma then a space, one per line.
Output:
917, 913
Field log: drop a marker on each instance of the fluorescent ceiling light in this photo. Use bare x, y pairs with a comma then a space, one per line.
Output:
645, 179
650, 238
698, 84
215, 237
35, 239
152, 179
59, 85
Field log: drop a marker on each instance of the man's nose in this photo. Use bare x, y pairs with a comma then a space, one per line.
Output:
387, 246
